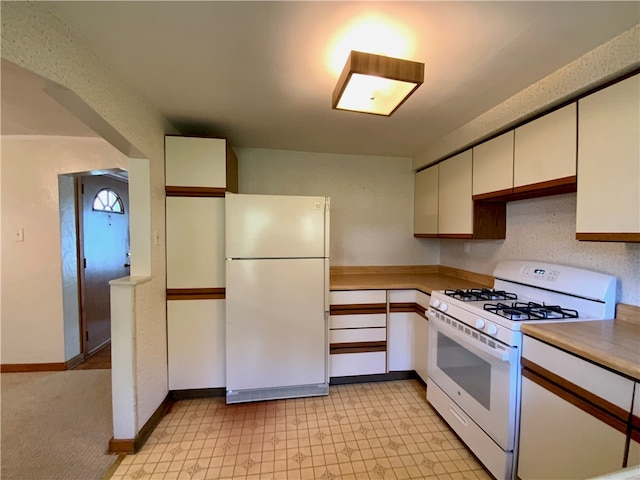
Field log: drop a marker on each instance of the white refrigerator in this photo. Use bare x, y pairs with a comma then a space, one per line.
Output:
277, 296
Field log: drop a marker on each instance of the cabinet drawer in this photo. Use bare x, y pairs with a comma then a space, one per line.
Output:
358, 321
353, 297
352, 335
345, 364
402, 296
596, 380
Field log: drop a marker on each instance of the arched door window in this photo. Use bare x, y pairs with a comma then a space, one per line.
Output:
106, 200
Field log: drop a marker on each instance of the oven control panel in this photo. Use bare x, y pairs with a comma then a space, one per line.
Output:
548, 275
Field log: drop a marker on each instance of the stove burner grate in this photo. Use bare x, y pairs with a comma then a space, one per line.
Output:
476, 294
530, 311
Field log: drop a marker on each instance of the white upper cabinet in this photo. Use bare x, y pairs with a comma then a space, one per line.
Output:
196, 162
545, 149
608, 205
425, 213
493, 165
455, 216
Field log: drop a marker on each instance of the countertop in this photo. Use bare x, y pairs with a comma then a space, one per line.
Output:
423, 278
612, 343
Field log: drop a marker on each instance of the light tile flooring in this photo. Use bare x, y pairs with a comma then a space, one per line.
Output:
382, 430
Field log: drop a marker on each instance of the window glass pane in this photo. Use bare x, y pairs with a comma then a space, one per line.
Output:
108, 201
469, 371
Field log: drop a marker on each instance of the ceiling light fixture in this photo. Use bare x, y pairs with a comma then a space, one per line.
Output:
376, 84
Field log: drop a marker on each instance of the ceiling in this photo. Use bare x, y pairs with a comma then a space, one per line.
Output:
258, 73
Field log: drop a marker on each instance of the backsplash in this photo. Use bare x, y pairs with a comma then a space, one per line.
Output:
544, 229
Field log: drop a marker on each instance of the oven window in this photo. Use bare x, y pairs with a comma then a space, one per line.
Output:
465, 368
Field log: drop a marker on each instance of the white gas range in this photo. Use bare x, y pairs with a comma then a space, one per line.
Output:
475, 346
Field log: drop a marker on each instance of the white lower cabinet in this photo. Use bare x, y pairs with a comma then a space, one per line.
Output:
401, 330
196, 349
563, 435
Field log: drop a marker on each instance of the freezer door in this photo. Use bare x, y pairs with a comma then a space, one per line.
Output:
276, 226
276, 327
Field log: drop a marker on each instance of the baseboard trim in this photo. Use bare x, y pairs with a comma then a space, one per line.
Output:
33, 367
74, 362
133, 445
197, 393
376, 377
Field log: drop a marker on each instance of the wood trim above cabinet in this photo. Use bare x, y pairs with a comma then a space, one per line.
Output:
358, 308
609, 237
543, 189
586, 401
456, 236
357, 347
408, 307
175, 191
195, 293
497, 196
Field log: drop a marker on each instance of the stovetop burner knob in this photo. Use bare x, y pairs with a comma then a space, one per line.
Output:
492, 329
480, 323
444, 307
436, 303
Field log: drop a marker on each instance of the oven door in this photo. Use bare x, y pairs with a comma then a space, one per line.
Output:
478, 373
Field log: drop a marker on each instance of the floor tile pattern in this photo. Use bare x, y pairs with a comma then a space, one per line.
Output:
382, 431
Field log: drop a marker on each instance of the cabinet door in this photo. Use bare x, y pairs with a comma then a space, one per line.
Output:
558, 440
545, 148
609, 161
400, 341
196, 344
195, 162
195, 242
455, 215
425, 205
493, 165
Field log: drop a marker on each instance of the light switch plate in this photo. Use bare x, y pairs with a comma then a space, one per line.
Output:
18, 235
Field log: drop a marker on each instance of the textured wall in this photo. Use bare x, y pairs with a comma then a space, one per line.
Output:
32, 270
371, 201
605, 62
544, 229
34, 38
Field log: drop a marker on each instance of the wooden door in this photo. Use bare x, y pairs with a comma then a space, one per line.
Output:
105, 249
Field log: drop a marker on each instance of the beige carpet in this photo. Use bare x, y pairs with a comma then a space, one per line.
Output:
55, 425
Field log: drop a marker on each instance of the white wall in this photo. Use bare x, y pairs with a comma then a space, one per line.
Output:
32, 271
34, 38
371, 201
544, 229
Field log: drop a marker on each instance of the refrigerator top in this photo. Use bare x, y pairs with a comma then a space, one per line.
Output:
276, 226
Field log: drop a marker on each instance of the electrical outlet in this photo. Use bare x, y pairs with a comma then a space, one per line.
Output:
467, 247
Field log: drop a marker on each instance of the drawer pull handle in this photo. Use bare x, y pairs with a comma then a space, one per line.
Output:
457, 415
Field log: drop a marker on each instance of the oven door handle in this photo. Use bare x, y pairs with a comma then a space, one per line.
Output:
469, 341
